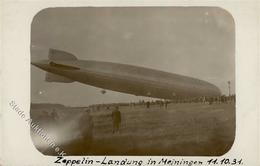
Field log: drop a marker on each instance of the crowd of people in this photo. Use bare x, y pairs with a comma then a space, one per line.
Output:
165, 103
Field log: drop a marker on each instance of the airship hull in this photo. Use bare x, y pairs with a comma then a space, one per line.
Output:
130, 79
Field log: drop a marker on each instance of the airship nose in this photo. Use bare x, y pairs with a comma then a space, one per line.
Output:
34, 63
37, 64
40, 64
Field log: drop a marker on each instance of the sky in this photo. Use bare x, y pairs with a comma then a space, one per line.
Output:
192, 41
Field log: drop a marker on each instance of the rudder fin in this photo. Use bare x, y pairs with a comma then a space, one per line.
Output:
55, 54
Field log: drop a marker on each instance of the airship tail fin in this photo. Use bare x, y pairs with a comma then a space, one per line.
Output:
49, 77
55, 54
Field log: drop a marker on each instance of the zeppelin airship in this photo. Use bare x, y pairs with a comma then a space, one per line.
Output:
64, 67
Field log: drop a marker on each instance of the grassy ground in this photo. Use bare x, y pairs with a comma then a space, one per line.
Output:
181, 129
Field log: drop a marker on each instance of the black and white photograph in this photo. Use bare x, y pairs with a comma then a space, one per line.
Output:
135, 81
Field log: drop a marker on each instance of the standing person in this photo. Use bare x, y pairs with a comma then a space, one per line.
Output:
54, 115
116, 117
166, 104
147, 104
161, 103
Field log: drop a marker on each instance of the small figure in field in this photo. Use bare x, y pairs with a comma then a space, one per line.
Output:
148, 104
116, 117
165, 104
54, 115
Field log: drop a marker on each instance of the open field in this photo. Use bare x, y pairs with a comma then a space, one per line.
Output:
181, 129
